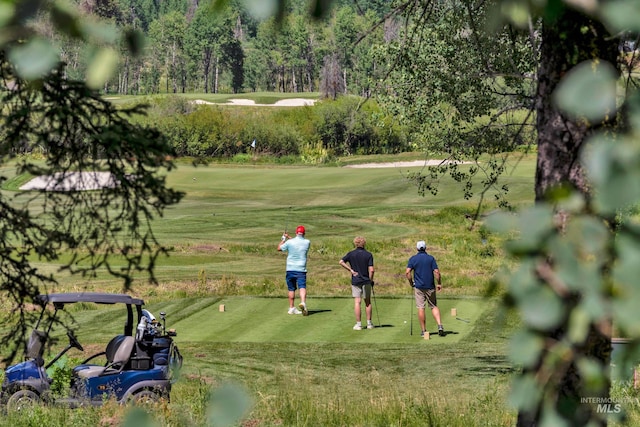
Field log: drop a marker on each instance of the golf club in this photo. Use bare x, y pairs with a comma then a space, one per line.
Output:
376, 304
286, 224
462, 320
411, 321
411, 327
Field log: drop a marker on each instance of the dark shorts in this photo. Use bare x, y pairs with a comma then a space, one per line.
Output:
424, 297
296, 279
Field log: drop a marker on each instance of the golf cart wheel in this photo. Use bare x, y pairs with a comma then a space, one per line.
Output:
23, 400
145, 398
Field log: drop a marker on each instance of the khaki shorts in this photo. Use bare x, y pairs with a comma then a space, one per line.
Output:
425, 296
361, 291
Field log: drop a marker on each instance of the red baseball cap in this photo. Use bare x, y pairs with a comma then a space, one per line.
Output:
300, 229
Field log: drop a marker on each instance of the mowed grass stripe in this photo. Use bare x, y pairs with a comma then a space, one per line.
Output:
255, 319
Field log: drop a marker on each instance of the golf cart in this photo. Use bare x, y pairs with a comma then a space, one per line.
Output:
141, 364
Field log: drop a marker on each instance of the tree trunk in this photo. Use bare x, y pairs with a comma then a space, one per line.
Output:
127, 70
217, 71
560, 140
344, 80
294, 84
282, 86
173, 68
573, 38
206, 66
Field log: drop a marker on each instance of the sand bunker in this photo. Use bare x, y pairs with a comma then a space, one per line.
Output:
71, 181
293, 102
410, 164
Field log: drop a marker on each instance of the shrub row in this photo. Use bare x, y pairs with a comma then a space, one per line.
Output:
314, 134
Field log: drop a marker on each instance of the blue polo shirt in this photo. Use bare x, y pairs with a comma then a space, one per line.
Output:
423, 265
297, 249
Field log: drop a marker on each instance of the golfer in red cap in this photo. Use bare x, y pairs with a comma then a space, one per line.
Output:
297, 250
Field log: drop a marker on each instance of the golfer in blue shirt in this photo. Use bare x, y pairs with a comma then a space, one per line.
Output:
425, 275
296, 276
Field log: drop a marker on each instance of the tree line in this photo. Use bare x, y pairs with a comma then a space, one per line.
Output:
193, 46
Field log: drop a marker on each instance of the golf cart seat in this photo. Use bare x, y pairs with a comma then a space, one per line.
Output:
35, 347
118, 353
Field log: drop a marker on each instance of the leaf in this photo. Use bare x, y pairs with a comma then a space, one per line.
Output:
592, 373
550, 417
534, 224
625, 271
34, 59
517, 12
100, 31
260, 9
566, 199
135, 41
577, 271
580, 253
596, 158
65, 19
525, 392
27, 9
101, 67
626, 292
624, 309
579, 322
137, 417
523, 280
542, 309
320, 8
614, 170
502, 222
227, 405
621, 15
589, 235
525, 348
595, 305
588, 90
7, 11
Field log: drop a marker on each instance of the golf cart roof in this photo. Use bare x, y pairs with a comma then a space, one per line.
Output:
96, 297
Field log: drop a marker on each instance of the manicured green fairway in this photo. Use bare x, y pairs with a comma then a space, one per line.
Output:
263, 320
330, 320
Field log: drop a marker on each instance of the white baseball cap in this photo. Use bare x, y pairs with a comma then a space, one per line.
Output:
421, 245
